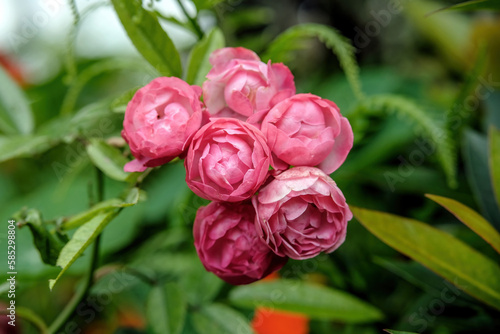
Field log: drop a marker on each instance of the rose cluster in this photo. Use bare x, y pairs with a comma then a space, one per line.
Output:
239, 147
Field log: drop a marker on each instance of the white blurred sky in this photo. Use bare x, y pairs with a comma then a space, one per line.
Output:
33, 31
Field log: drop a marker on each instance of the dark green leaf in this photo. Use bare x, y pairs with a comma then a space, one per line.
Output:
108, 159
166, 309
48, 242
315, 301
198, 59
149, 37
447, 256
15, 111
220, 319
200, 285
392, 331
475, 152
470, 218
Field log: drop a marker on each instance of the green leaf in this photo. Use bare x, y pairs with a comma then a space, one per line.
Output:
315, 301
392, 331
119, 104
220, 319
132, 197
82, 238
206, 4
439, 140
475, 5
447, 256
200, 285
19, 146
15, 111
470, 218
149, 38
198, 59
475, 153
279, 49
494, 160
48, 243
166, 309
108, 159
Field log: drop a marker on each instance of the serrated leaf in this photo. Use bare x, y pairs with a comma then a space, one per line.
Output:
108, 159
494, 160
19, 146
166, 309
447, 256
149, 38
439, 140
220, 319
280, 47
82, 238
470, 218
198, 64
315, 301
15, 111
48, 243
475, 152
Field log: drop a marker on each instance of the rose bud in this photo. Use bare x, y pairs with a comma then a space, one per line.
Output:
301, 213
228, 245
160, 121
228, 160
240, 85
306, 130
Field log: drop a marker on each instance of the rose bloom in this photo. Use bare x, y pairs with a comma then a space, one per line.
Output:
160, 121
228, 160
306, 130
301, 213
240, 85
228, 245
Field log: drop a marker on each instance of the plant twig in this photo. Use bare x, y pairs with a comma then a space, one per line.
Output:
78, 297
192, 20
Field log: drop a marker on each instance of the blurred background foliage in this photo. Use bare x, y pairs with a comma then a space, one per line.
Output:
419, 71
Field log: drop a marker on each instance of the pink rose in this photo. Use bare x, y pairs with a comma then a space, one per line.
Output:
228, 160
228, 245
160, 121
306, 130
301, 213
240, 85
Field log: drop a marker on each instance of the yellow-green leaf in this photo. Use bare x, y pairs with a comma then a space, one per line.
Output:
198, 59
471, 218
494, 146
449, 257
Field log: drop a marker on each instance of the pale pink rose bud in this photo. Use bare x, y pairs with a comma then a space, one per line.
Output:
240, 85
228, 245
306, 130
301, 213
160, 121
228, 160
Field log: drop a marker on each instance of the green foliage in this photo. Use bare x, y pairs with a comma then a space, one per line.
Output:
475, 153
15, 112
198, 64
19, 146
48, 242
431, 128
494, 161
149, 37
166, 309
392, 331
449, 257
470, 218
108, 159
475, 5
315, 301
280, 49
220, 319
